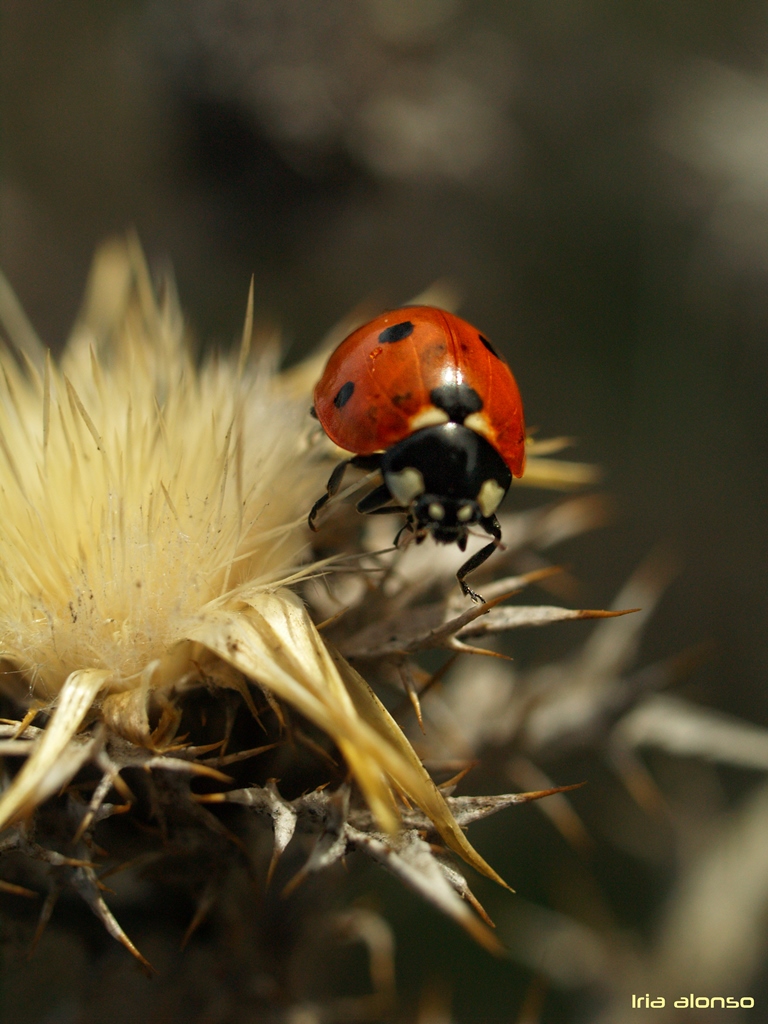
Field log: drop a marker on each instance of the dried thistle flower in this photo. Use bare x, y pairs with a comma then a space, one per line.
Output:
151, 527
153, 517
138, 492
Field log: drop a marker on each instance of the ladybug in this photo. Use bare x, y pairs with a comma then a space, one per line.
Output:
422, 396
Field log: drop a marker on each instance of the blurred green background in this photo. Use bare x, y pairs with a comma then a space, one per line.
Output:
591, 176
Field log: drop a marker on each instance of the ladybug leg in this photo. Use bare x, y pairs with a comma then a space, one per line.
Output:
334, 483
368, 462
389, 510
373, 503
400, 532
491, 525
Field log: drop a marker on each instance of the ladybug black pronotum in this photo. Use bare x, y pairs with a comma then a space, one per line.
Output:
422, 396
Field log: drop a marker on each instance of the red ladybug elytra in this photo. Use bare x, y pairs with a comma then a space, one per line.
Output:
422, 396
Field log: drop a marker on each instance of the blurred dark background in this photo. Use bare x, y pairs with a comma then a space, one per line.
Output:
592, 176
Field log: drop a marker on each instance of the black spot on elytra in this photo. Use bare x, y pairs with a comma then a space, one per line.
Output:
489, 346
396, 332
344, 394
458, 400
399, 400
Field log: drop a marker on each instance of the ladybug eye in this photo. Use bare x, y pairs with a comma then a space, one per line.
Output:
396, 332
436, 510
465, 513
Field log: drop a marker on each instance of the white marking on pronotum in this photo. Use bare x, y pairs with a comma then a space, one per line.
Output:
478, 422
405, 485
430, 417
490, 497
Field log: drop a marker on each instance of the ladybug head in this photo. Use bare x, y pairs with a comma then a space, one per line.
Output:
447, 519
447, 477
